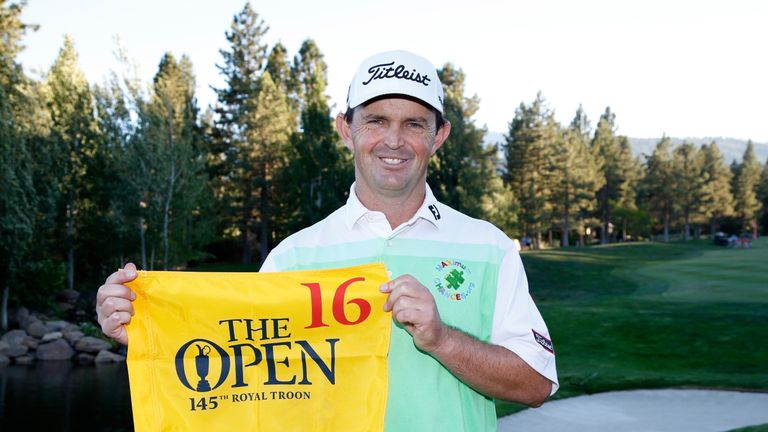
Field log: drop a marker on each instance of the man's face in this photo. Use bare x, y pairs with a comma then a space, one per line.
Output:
392, 140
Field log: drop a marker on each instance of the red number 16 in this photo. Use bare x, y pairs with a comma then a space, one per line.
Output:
338, 304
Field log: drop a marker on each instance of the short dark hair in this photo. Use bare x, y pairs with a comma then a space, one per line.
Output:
439, 119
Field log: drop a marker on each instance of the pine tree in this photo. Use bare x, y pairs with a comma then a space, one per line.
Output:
718, 199
576, 181
659, 183
116, 127
690, 185
625, 210
461, 170
270, 125
319, 168
237, 157
73, 135
528, 153
762, 194
616, 164
746, 183
18, 200
170, 132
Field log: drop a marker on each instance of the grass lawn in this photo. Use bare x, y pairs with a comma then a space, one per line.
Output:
653, 315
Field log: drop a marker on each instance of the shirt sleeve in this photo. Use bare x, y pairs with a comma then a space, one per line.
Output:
517, 323
269, 264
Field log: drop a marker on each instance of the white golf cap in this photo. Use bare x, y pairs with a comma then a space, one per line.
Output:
396, 72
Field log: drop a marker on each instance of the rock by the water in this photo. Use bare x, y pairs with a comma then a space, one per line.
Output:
56, 350
68, 296
84, 358
16, 350
37, 329
4, 360
56, 325
22, 317
52, 336
4, 345
25, 360
105, 356
15, 337
92, 344
31, 342
73, 335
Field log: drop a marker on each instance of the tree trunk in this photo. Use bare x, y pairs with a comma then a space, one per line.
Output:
666, 226
245, 234
4, 311
624, 231
605, 215
712, 227
264, 207
142, 241
564, 237
71, 243
166, 215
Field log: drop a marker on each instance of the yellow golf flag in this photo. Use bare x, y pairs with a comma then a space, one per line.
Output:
293, 351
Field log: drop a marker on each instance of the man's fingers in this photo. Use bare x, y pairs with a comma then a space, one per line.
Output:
112, 326
115, 304
405, 288
113, 290
123, 275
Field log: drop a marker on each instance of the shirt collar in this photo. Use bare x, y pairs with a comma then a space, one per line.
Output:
428, 210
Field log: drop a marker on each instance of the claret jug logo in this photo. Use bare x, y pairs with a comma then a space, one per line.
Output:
453, 280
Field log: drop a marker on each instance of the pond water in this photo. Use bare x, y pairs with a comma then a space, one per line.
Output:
63, 396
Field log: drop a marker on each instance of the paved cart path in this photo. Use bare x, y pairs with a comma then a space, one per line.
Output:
644, 411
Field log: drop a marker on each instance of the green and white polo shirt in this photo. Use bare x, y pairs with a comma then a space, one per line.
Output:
475, 274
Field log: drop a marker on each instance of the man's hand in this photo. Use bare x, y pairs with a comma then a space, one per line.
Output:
490, 369
413, 306
113, 303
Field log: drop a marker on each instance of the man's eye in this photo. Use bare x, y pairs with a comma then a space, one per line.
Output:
414, 125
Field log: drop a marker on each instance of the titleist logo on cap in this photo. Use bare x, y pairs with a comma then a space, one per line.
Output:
386, 70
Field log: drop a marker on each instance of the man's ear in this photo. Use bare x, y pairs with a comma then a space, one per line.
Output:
344, 131
441, 135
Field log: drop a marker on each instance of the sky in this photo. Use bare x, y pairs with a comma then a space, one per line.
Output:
676, 67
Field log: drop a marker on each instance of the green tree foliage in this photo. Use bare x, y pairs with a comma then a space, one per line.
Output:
614, 158
690, 184
718, 199
762, 194
658, 184
73, 141
746, 181
173, 158
18, 200
318, 168
462, 169
270, 126
236, 164
530, 144
575, 178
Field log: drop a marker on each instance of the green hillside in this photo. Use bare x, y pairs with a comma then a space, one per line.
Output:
653, 315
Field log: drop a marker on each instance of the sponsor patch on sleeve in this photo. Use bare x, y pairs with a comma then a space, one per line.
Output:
544, 342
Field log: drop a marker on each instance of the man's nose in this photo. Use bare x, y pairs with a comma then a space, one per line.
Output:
393, 137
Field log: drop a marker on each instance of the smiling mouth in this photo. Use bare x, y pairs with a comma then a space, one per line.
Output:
392, 161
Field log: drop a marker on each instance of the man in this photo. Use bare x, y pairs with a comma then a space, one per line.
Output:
465, 330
